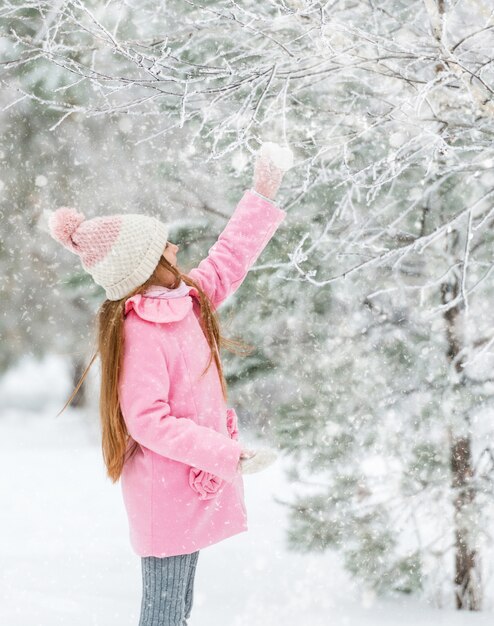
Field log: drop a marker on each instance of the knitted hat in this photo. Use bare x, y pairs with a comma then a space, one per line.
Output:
119, 251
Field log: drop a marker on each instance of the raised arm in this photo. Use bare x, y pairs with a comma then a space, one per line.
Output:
143, 390
249, 229
239, 245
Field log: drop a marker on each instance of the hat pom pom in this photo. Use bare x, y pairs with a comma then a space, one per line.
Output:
63, 223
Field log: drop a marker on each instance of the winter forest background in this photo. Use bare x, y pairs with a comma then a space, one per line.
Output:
370, 309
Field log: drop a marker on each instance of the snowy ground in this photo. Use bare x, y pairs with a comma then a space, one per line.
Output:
65, 553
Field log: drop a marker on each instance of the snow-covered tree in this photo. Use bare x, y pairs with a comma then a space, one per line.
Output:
372, 304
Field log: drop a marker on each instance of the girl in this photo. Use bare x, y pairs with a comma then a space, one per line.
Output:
167, 432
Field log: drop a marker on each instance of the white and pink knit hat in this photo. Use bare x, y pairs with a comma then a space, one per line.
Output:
119, 251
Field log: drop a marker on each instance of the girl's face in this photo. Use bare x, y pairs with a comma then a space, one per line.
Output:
164, 276
170, 252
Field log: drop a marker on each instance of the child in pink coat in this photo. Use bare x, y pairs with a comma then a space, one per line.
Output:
167, 431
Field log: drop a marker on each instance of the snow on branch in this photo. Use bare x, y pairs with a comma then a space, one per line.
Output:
389, 108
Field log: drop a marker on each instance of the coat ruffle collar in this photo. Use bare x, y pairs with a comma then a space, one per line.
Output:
156, 309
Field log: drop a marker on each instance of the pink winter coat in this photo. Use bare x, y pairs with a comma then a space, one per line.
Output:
182, 490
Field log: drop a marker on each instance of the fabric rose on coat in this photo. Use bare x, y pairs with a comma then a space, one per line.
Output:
232, 423
204, 483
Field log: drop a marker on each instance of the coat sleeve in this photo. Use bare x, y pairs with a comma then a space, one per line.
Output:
237, 248
143, 388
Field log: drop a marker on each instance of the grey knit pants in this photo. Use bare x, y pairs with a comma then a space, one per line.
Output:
167, 589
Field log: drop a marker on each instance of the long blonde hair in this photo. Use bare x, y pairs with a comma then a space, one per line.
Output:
110, 346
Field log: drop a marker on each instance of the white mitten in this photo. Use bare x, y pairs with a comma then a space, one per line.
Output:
262, 458
272, 162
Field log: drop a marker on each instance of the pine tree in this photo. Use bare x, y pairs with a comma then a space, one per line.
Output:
370, 307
